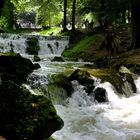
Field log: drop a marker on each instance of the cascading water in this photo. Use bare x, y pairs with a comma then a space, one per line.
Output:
84, 118
48, 44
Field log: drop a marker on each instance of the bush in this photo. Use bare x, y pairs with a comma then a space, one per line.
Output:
32, 46
3, 23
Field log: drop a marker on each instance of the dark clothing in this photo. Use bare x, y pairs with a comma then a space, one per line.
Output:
109, 37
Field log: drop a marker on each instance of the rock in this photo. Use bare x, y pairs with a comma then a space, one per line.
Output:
62, 81
128, 76
37, 66
36, 58
2, 31
135, 68
100, 95
26, 116
32, 46
15, 68
110, 75
58, 59
84, 78
124, 70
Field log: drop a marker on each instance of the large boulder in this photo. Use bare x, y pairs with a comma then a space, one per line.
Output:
26, 116
15, 68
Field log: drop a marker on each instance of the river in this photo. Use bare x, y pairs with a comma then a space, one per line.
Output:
84, 119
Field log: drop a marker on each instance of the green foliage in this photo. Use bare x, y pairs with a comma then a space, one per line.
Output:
33, 46
3, 23
79, 47
7, 13
53, 30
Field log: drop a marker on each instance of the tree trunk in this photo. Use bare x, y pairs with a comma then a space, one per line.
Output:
64, 23
1, 6
7, 12
101, 15
102, 7
73, 14
123, 16
135, 12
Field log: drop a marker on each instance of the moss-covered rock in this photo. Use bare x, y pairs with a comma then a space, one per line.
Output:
58, 59
62, 81
84, 78
32, 45
116, 78
26, 116
14, 67
36, 58
128, 76
109, 75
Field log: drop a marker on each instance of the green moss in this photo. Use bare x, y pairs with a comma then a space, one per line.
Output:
83, 48
31, 117
50, 138
79, 47
62, 81
109, 75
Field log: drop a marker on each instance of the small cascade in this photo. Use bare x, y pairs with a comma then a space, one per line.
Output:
48, 44
86, 120
127, 88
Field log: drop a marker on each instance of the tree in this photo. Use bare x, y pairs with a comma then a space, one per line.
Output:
73, 14
65, 16
135, 20
6, 12
1, 6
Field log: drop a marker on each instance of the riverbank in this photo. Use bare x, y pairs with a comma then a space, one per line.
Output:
90, 47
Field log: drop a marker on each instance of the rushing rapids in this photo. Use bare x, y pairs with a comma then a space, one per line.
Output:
84, 118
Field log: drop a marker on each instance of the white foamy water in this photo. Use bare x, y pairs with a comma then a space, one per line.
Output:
117, 120
48, 44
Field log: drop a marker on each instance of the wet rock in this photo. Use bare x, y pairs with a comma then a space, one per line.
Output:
15, 68
110, 75
84, 78
36, 58
26, 116
37, 66
62, 81
100, 95
58, 59
127, 76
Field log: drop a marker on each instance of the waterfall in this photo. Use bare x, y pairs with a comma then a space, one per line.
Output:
48, 44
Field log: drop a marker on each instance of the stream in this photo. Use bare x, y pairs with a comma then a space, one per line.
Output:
84, 119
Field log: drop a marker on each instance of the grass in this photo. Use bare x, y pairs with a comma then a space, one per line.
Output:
80, 47
51, 31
